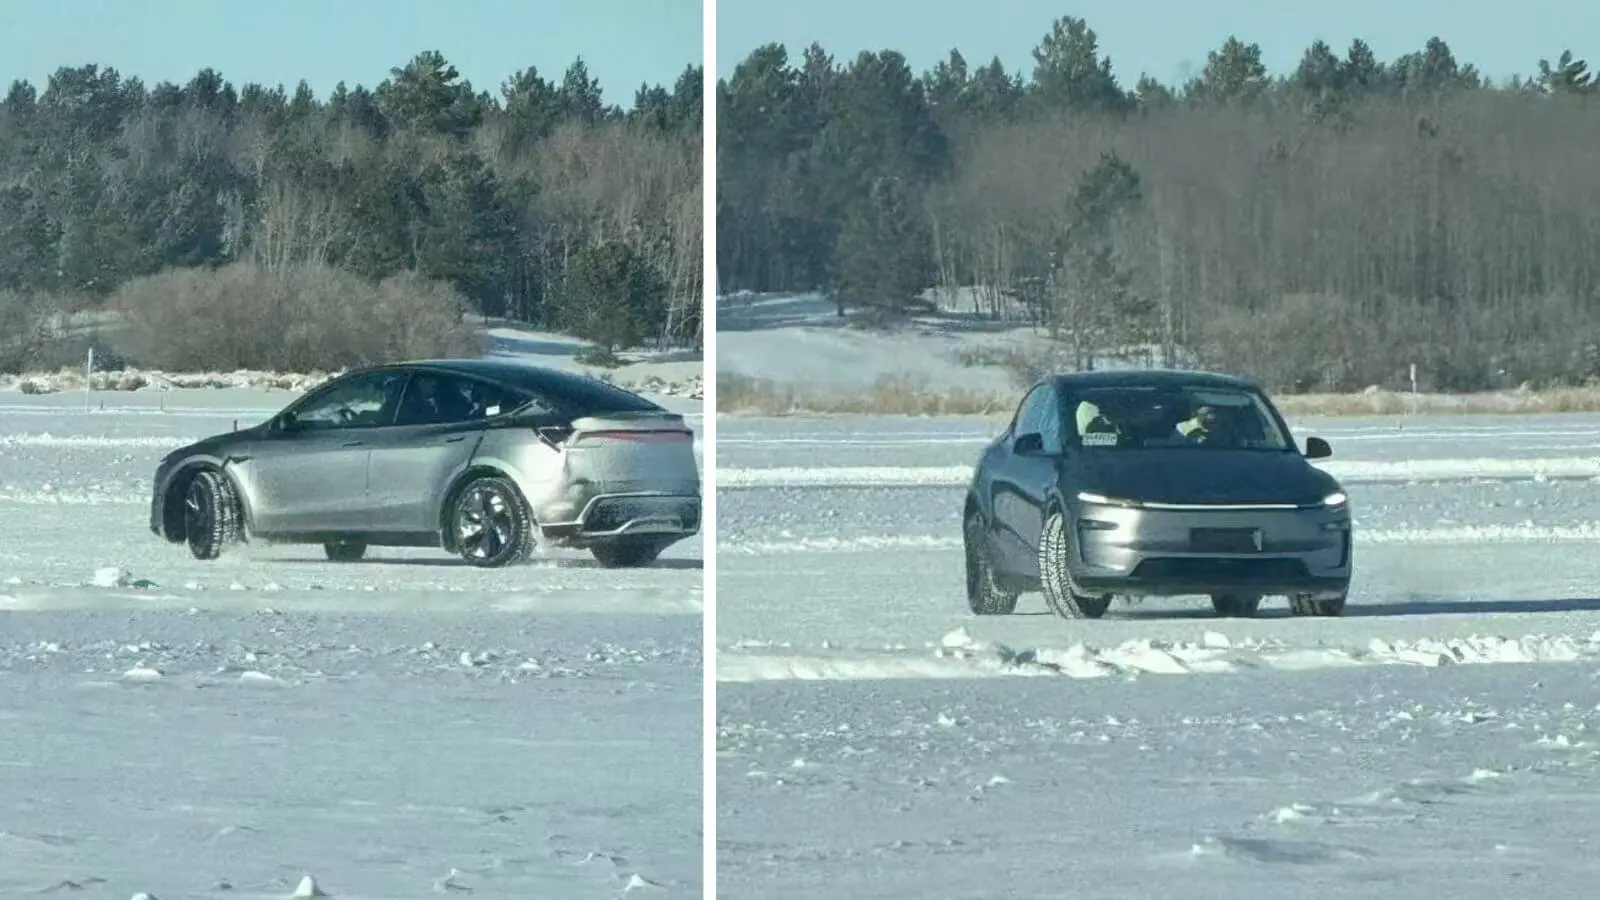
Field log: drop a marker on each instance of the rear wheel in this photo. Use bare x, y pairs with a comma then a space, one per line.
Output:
984, 594
1060, 593
210, 514
345, 551
490, 523
626, 554
1241, 606
1311, 605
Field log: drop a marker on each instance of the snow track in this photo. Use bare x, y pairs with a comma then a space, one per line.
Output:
399, 727
876, 740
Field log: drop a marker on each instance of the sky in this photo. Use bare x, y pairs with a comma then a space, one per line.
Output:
624, 42
1168, 39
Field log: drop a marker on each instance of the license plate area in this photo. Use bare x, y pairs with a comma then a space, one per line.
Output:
1225, 540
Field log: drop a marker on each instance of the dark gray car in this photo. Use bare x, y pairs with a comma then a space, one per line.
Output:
479, 457
1154, 484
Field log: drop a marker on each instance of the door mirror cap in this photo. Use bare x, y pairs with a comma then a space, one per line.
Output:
1030, 444
1317, 448
287, 421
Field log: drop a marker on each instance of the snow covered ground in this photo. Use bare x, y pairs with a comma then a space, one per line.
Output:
875, 740
398, 727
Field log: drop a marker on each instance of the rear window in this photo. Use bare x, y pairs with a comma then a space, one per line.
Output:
580, 396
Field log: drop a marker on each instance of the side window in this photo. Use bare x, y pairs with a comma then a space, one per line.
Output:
1031, 415
1050, 421
434, 399
361, 401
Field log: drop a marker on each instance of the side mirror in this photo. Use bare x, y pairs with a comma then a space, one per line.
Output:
1031, 444
286, 422
1317, 448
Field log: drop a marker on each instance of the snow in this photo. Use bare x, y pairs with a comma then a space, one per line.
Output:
876, 740
273, 725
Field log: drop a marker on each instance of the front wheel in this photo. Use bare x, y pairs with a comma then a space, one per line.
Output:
210, 514
1060, 593
1312, 605
492, 527
985, 597
626, 554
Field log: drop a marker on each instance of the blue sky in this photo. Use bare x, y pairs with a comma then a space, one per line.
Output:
1166, 38
624, 42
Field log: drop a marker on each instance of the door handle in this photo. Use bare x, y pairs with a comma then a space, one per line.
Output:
455, 440
352, 443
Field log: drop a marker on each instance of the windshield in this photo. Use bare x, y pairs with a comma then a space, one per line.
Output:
1142, 417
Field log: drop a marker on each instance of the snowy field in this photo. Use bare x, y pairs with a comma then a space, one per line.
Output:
1439, 740
399, 727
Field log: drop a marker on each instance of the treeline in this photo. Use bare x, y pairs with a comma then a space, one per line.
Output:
334, 227
1321, 229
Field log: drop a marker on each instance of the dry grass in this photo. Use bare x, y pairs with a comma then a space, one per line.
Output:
738, 395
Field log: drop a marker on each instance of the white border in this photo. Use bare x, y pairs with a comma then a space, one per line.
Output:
708, 518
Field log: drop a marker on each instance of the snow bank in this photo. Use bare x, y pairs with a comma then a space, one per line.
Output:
959, 655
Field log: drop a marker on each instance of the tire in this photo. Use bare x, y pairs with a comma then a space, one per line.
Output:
626, 554
1060, 594
345, 551
491, 506
1307, 605
1238, 606
210, 514
985, 597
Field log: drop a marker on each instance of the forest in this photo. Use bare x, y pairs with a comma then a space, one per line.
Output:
1322, 229
204, 226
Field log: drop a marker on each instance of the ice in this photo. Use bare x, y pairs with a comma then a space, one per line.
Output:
391, 728
1434, 741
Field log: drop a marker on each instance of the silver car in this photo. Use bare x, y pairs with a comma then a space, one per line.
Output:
484, 458
1154, 484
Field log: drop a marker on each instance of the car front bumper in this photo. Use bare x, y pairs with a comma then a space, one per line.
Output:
1120, 549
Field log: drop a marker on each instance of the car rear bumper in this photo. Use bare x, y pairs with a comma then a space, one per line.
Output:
1154, 552
609, 516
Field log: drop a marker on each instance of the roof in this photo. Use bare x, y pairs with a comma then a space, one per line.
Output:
1156, 378
537, 379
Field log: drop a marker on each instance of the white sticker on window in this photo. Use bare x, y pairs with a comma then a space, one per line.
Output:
493, 410
1100, 439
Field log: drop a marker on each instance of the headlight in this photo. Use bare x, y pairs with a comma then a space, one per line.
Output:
1337, 498
1103, 500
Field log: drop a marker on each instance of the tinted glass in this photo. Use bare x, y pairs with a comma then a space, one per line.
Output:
1199, 417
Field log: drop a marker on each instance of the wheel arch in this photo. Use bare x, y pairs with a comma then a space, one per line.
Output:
172, 527
478, 469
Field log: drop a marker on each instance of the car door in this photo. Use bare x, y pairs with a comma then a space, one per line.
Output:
436, 432
308, 473
1020, 484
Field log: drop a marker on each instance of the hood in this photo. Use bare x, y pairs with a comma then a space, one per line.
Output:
1204, 476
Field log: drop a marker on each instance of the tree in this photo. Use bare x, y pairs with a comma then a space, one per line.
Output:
883, 261
613, 298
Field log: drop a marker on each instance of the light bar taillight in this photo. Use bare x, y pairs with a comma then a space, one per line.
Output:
663, 436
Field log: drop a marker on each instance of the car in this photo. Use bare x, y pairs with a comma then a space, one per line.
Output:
480, 457
1153, 483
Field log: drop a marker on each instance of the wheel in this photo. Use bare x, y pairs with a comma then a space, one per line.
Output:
345, 551
985, 597
1309, 605
1242, 606
1060, 594
626, 554
210, 514
491, 522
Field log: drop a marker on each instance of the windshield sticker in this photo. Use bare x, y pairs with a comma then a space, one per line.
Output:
1100, 439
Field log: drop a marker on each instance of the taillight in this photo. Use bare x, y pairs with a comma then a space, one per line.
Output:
671, 436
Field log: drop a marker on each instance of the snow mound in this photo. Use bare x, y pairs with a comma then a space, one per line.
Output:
960, 655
